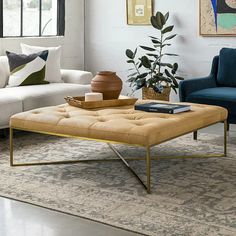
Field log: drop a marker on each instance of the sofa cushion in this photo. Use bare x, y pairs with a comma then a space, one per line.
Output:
45, 95
4, 71
220, 96
227, 67
9, 105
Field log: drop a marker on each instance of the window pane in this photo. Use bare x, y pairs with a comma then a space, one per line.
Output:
11, 17
49, 17
31, 18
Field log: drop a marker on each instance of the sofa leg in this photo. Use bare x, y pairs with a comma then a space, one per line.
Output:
195, 135
228, 127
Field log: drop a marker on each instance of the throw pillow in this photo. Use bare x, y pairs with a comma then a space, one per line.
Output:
27, 69
227, 67
53, 64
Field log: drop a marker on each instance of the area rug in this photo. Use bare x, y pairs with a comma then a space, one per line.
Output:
189, 196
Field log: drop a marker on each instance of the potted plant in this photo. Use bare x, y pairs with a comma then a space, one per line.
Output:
151, 72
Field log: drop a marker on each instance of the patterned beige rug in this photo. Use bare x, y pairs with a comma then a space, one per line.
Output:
190, 197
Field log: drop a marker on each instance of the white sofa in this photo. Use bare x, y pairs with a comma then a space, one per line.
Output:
18, 99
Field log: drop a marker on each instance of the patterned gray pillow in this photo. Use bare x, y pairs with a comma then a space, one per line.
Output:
27, 69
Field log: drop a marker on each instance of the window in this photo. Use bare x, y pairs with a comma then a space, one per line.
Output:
22, 18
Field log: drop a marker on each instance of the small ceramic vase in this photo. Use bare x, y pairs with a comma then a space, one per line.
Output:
107, 83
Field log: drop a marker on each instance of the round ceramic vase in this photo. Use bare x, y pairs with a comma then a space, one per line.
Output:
107, 83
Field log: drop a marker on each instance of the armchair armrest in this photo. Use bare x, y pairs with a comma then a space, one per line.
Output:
76, 76
186, 87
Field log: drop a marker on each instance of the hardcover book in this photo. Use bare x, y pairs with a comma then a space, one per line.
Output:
163, 107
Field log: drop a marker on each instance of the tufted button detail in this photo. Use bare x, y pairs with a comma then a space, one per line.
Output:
101, 120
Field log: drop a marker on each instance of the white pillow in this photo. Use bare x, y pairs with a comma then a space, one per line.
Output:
53, 64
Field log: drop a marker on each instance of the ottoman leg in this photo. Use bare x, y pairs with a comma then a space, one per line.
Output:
195, 135
148, 166
225, 137
11, 147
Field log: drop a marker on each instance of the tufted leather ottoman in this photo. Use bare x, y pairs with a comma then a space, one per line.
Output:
119, 125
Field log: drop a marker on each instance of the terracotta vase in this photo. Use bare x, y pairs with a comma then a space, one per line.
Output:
108, 83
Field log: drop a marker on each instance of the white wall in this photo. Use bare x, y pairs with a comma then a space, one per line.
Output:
108, 36
72, 43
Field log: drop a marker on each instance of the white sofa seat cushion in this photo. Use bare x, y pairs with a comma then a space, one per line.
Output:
9, 105
46, 95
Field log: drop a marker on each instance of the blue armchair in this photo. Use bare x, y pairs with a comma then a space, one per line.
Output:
219, 88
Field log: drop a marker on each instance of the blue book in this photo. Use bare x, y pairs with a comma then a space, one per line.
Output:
168, 108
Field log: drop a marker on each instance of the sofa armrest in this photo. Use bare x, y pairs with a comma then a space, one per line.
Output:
187, 87
76, 77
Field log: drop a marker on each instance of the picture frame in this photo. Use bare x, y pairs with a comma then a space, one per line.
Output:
139, 12
217, 18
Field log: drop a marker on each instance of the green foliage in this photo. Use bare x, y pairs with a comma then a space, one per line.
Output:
149, 70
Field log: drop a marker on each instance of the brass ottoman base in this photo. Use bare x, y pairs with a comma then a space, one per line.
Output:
148, 157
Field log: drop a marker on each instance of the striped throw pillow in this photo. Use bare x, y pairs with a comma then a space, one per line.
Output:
27, 69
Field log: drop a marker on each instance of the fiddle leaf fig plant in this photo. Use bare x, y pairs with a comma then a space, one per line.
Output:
151, 69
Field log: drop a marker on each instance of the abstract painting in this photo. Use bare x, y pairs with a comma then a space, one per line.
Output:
218, 17
139, 12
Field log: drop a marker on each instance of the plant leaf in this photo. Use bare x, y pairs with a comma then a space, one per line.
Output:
160, 18
165, 64
156, 41
154, 38
145, 62
155, 23
179, 78
170, 54
173, 87
167, 16
135, 52
167, 44
167, 29
171, 37
148, 48
172, 78
129, 54
167, 73
142, 75
175, 67
130, 61
152, 55
162, 78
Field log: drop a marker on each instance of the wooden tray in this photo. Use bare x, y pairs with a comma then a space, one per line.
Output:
80, 102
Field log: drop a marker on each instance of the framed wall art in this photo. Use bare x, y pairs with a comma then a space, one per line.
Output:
139, 12
218, 17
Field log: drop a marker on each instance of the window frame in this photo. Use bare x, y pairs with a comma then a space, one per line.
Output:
60, 21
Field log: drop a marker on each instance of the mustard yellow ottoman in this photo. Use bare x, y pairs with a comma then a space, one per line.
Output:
121, 125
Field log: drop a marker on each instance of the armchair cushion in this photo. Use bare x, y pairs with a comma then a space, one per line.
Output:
227, 67
187, 87
219, 96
